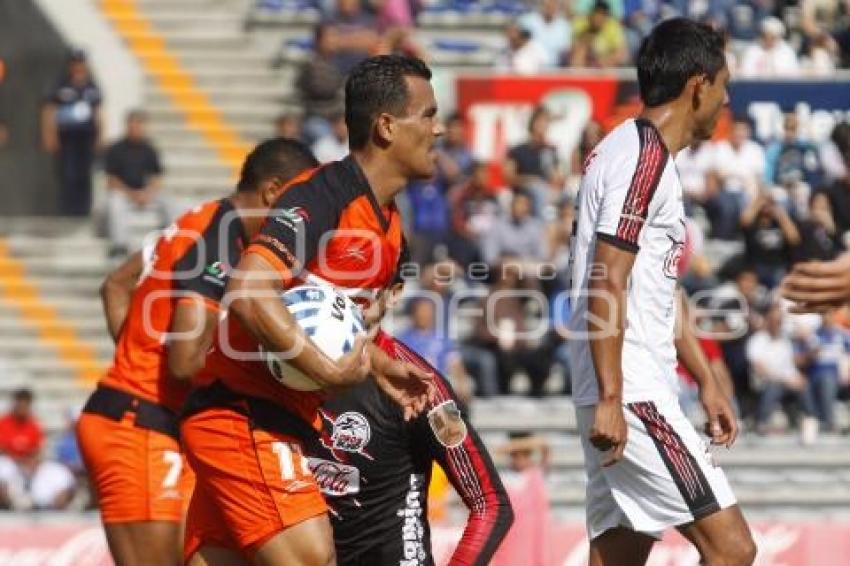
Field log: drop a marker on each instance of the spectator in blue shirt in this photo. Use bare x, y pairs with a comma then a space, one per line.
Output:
435, 346
825, 355
791, 159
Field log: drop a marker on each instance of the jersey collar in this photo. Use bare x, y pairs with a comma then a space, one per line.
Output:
362, 185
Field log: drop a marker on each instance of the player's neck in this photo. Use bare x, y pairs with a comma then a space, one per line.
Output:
248, 207
675, 131
384, 180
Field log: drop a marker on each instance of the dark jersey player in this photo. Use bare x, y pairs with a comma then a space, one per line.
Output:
374, 469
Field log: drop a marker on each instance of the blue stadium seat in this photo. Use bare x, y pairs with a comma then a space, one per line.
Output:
456, 45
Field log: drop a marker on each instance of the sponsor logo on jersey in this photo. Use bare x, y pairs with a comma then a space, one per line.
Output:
356, 254
412, 530
335, 479
287, 256
216, 273
350, 432
292, 218
447, 424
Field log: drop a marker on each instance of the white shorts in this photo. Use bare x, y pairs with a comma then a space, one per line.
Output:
666, 478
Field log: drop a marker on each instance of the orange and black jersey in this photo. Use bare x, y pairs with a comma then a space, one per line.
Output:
192, 257
327, 229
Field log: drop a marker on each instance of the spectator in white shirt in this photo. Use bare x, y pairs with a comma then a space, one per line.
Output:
694, 164
770, 56
550, 29
333, 146
741, 161
773, 368
32, 483
524, 55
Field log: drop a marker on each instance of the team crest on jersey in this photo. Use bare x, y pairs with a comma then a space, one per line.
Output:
447, 424
672, 259
674, 254
350, 432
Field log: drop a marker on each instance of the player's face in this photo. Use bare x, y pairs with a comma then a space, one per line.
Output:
715, 98
418, 130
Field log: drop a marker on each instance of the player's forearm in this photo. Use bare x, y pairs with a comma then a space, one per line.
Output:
606, 326
689, 350
265, 316
116, 292
197, 322
116, 304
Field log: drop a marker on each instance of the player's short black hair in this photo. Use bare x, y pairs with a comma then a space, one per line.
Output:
377, 85
277, 158
675, 51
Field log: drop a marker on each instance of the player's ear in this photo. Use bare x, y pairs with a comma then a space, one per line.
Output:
385, 127
697, 86
270, 191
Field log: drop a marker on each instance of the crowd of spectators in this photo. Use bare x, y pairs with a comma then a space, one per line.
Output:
31, 480
494, 252
765, 38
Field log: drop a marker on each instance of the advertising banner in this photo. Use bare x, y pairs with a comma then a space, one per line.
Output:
497, 108
81, 543
819, 105
779, 544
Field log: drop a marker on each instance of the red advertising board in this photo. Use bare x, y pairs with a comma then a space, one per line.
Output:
81, 543
497, 108
779, 544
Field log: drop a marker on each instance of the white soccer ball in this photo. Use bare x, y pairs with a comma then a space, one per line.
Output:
329, 318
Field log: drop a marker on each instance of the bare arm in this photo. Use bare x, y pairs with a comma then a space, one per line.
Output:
749, 214
255, 302
606, 325
607, 310
722, 425
789, 229
688, 348
196, 319
117, 290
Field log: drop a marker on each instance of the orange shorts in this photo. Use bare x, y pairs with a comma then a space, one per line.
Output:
138, 474
251, 484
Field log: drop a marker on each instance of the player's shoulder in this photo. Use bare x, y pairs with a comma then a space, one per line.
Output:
198, 218
616, 150
338, 181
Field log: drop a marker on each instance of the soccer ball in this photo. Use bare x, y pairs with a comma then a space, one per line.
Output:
330, 319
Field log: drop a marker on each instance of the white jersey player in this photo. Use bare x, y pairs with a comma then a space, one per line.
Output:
647, 467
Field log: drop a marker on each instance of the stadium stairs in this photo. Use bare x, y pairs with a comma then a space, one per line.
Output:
228, 47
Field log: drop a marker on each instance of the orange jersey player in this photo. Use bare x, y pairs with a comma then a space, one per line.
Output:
162, 313
255, 497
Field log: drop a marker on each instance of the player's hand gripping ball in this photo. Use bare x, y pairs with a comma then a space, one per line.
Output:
330, 319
